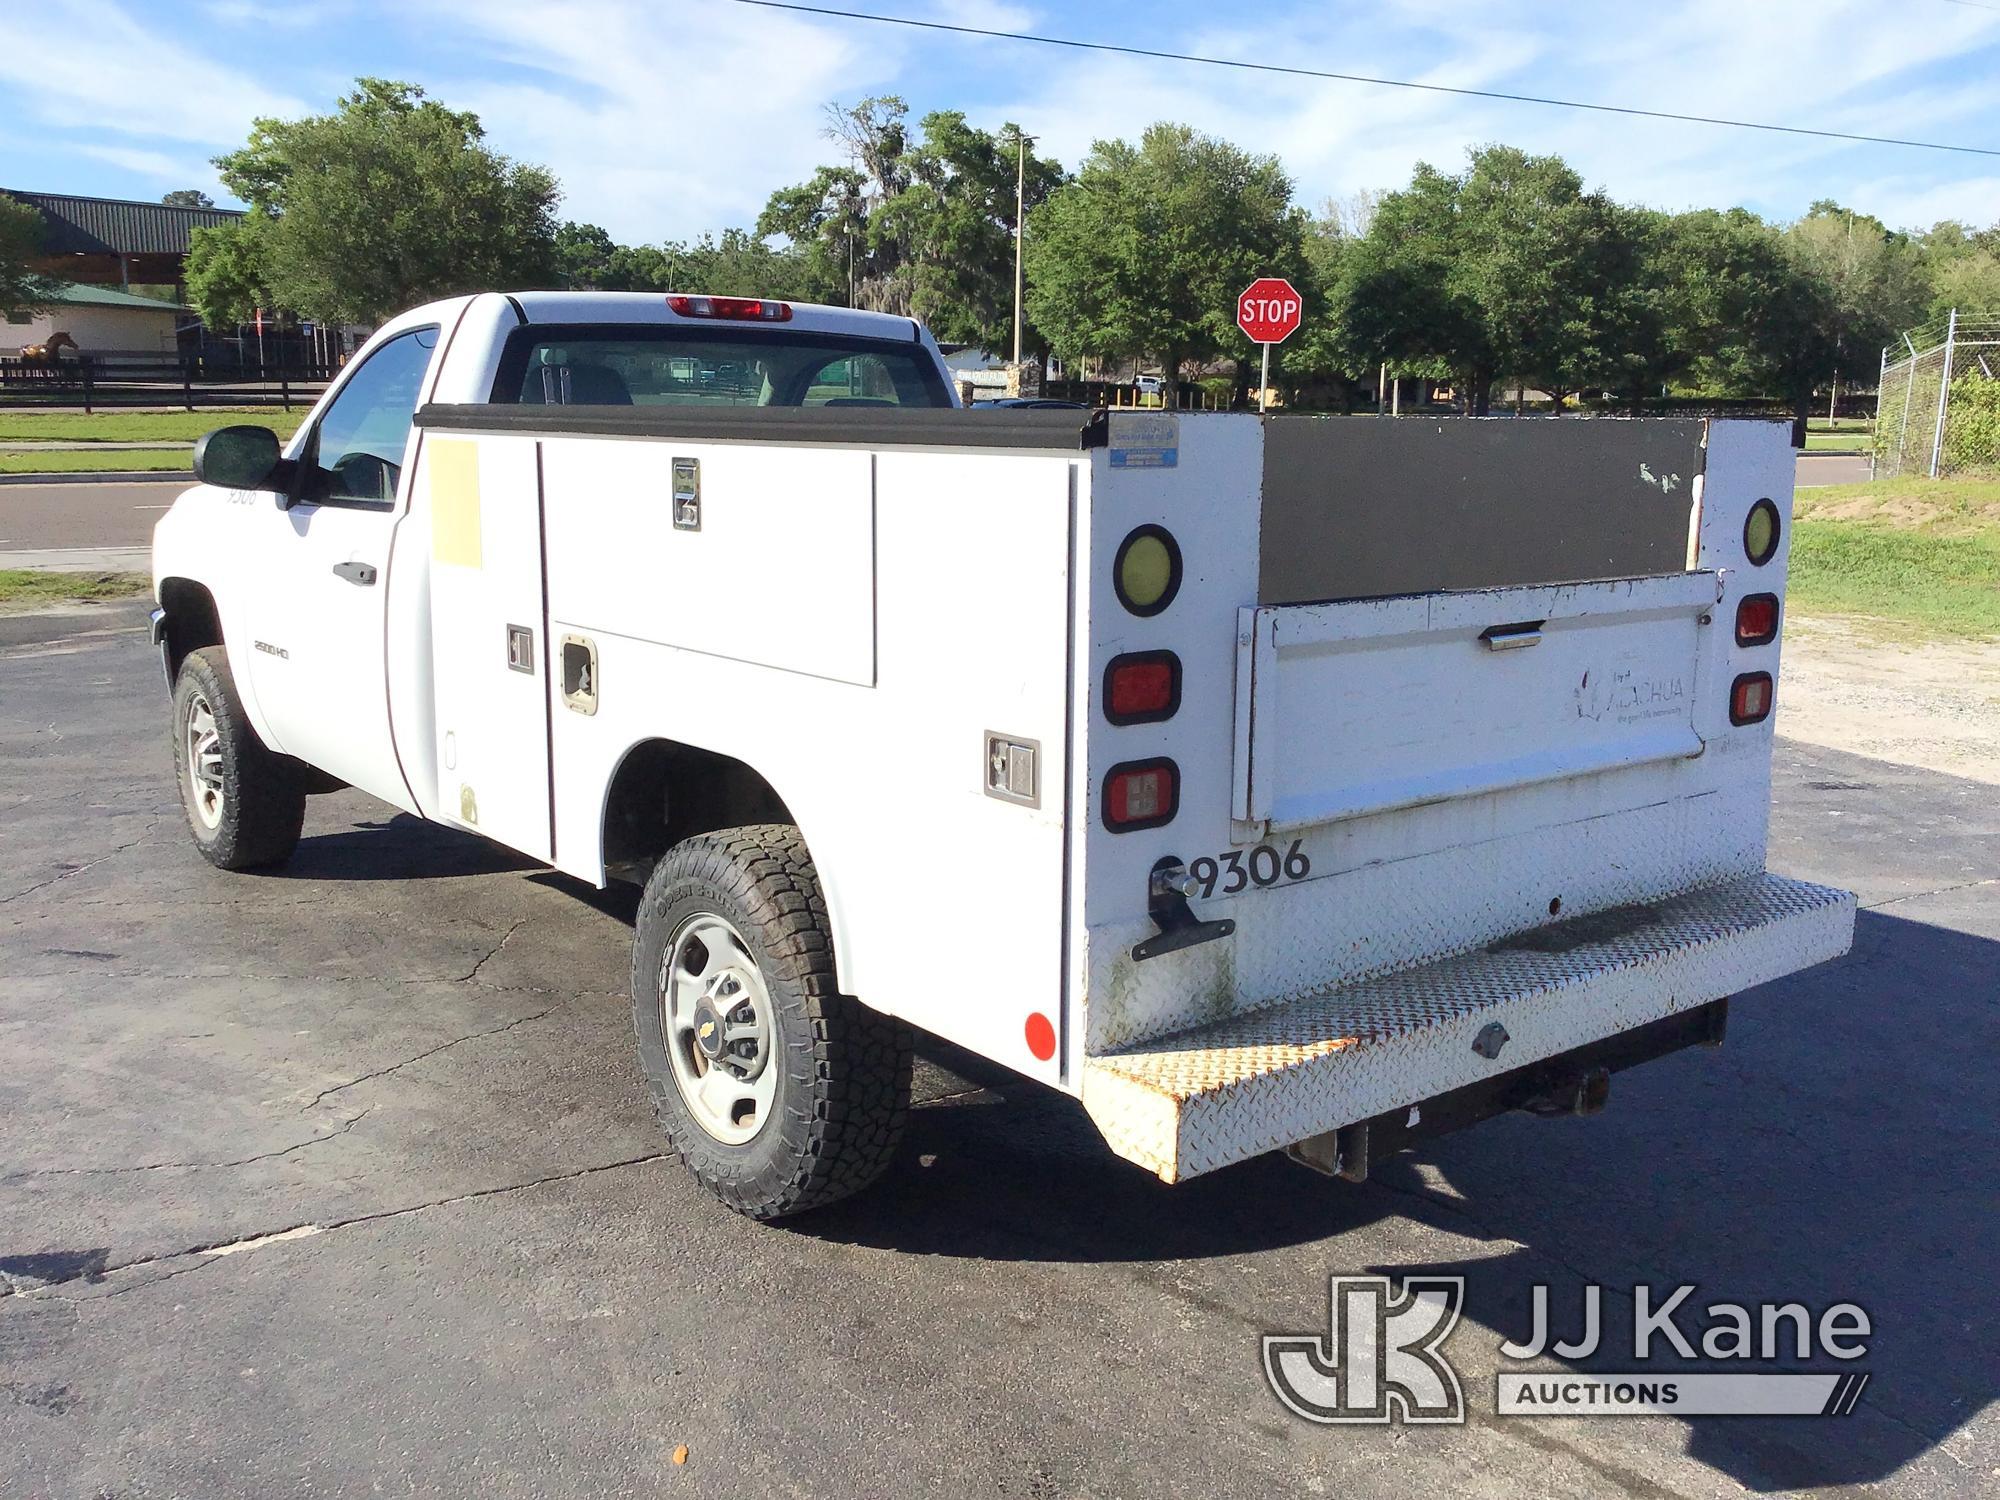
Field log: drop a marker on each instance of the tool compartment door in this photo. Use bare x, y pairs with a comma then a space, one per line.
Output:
1371, 705
489, 637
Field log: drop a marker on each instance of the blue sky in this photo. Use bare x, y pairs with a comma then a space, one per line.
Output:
665, 118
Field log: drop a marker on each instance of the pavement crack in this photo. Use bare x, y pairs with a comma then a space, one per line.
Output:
397, 1067
194, 1166
110, 854
1937, 1443
1963, 885
213, 1252
494, 952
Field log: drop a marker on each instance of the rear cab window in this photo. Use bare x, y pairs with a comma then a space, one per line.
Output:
625, 364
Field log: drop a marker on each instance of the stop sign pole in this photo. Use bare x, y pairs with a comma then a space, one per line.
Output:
1269, 312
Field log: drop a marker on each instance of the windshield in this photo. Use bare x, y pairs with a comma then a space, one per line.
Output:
625, 365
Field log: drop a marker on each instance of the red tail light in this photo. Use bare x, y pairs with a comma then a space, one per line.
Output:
1750, 698
1141, 794
1142, 687
1757, 620
744, 309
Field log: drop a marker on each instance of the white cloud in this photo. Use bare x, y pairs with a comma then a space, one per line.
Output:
87, 64
661, 122
157, 165
670, 120
1827, 64
1973, 200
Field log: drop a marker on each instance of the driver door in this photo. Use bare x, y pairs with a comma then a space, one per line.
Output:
317, 664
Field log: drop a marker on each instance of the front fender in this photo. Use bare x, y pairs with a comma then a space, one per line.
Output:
199, 542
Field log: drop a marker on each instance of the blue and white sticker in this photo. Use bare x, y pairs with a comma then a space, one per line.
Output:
1145, 439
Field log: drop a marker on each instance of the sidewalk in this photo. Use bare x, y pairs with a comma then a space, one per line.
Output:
81, 559
62, 445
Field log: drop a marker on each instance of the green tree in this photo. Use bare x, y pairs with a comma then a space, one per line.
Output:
953, 226
1692, 302
22, 288
1145, 251
739, 264
1509, 267
1773, 319
187, 198
920, 224
1320, 362
1874, 279
583, 255
227, 272
390, 201
825, 220
1962, 267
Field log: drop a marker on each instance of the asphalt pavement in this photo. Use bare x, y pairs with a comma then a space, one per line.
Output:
1833, 468
340, 1180
89, 525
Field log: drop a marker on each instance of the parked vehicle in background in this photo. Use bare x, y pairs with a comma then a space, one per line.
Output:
1312, 785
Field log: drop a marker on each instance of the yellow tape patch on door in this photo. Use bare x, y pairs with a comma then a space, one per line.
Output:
454, 470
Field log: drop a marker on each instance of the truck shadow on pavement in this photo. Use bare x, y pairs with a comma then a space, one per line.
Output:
397, 847
1841, 1147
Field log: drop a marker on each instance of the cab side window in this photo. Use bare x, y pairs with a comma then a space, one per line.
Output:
356, 453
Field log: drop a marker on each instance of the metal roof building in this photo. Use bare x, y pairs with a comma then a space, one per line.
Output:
114, 240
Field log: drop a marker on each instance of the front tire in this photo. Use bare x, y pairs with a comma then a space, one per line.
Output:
777, 1092
245, 805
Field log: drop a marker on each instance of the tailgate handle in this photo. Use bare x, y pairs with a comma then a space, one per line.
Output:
1512, 637
356, 572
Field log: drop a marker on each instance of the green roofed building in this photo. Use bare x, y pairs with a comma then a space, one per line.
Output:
101, 320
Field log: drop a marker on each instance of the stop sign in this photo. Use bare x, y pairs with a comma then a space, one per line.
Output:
1269, 310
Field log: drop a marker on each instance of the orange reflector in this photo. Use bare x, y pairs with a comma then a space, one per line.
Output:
1141, 794
1750, 698
1757, 620
1142, 687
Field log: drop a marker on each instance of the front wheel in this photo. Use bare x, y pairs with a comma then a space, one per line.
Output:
778, 1093
245, 805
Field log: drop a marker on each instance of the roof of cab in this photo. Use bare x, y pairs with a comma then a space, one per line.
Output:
651, 307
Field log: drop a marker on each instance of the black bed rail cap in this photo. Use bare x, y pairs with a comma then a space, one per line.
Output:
866, 427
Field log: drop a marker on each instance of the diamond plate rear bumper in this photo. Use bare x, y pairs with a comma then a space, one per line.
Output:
1186, 1104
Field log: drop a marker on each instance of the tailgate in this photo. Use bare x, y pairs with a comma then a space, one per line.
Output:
1370, 705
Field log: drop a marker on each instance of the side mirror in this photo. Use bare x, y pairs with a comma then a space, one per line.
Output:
238, 458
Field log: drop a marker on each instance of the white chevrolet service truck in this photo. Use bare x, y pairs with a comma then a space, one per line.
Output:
1297, 784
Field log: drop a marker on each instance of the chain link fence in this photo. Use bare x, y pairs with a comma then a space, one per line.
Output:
1937, 410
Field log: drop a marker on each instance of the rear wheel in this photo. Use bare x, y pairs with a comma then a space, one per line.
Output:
245, 805
776, 1091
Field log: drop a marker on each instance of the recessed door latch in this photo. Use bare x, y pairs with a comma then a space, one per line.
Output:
687, 494
520, 649
1013, 769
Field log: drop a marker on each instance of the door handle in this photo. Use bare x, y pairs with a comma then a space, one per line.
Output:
1513, 637
356, 572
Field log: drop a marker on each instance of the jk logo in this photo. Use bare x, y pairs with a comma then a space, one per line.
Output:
1383, 1357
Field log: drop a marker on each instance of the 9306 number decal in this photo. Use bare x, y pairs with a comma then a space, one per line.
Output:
1239, 869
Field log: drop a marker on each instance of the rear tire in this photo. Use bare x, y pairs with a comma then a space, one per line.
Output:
245, 805
777, 1092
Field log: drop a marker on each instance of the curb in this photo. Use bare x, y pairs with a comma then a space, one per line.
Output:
105, 476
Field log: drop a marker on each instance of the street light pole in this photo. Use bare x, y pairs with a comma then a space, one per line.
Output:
1020, 226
